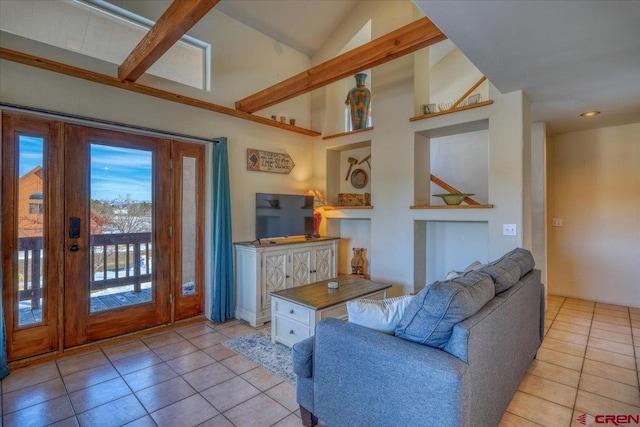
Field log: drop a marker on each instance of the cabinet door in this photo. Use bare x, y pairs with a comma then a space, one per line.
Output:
274, 275
323, 263
301, 266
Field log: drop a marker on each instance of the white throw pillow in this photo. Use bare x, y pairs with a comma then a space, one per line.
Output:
380, 315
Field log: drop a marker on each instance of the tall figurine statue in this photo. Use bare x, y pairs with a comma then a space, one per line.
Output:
359, 100
357, 262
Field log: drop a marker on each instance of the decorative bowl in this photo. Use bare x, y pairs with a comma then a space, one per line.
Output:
453, 199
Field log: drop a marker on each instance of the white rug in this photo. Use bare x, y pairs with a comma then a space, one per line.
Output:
257, 347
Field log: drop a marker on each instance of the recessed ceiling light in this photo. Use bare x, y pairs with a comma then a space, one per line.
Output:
590, 113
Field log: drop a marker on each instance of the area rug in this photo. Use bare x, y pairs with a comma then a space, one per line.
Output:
257, 347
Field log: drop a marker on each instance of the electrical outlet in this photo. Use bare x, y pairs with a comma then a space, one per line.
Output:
556, 222
509, 229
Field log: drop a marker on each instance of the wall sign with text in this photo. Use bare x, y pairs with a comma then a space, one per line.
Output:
267, 161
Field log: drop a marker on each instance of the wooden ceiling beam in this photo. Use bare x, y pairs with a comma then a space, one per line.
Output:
174, 23
69, 70
405, 40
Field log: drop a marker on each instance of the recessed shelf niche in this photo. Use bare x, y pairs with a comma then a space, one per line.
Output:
339, 173
459, 156
354, 233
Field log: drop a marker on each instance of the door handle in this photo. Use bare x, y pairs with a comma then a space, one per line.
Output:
74, 228
74, 248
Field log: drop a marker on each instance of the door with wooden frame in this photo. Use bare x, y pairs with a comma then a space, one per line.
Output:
118, 259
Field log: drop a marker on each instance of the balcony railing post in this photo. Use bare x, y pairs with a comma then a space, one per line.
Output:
136, 267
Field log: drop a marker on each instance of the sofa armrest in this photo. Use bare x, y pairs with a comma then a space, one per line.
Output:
302, 355
364, 377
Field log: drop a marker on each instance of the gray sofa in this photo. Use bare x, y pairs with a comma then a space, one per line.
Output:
349, 375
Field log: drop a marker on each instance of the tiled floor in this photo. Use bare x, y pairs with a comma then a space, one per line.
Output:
588, 364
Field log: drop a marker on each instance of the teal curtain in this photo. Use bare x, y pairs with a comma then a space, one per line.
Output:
223, 296
4, 365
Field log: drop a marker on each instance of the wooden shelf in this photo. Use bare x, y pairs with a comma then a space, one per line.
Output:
332, 208
452, 110
337, 135
451, 207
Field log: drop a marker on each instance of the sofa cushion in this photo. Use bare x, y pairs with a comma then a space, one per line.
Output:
433, 312
380, 315
302, 356
504, 272
523, 258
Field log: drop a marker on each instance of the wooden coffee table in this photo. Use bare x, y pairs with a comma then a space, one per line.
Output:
296, 311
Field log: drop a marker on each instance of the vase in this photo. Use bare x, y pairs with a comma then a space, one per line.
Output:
317, 219
357, 262
359, 101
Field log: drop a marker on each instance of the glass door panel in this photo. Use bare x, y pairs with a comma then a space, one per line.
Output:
121, 225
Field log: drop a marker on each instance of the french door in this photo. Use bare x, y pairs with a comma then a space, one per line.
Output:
102, 233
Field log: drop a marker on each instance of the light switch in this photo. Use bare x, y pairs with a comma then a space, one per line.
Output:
556, 222
509, 229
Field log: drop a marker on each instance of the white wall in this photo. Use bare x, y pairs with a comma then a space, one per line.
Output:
594, 187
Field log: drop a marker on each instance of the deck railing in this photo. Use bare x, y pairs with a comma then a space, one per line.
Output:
115, 260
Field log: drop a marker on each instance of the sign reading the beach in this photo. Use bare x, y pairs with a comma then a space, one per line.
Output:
267, 161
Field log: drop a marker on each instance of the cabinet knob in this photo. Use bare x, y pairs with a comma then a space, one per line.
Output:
291, 332
287, 276
291, 311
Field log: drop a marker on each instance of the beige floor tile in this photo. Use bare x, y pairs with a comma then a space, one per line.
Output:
570, 327
549, 317
121, 351
554, 303
634, 316
172, 351
612, 336
166, 393
615, 373
114, 413
192, 331
512, 420
67, 422
567, 336
136, 362
579, 307
635, 323
612, 346
581, 302
228, 394
555, 298
258, 411
611, 389
237, 330
548, 390
555, 373
190, 362
217, 421
147, 377
145, 421
99, 394
573, 319
612, 307
575, 313
546, 330
261, 378
563, 346
561, 359
219, 352
539, 410
552, 312
32, 395
285, 394
611, 319
634, 310
208, 340
187, 412
203, 378
610, 358
28, 377
621, 329
89, 377
41, 414
80, 362
612, 313
291, 421
594, 404
163, 339
238, 364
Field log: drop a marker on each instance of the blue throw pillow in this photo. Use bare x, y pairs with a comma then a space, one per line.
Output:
523, 258
434, 311
504, 272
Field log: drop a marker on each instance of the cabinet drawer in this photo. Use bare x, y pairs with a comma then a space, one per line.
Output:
289, 332
291, 311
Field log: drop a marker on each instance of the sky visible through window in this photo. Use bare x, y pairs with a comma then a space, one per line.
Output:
117, 173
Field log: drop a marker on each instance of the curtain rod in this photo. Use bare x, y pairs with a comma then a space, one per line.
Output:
108, 123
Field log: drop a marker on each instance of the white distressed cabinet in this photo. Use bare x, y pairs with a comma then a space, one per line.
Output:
264, 268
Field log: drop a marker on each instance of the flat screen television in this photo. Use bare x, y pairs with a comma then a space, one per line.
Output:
283, 215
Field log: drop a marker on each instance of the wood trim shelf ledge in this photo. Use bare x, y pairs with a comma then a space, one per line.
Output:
332, 208
451, 110
451, 207
337, 135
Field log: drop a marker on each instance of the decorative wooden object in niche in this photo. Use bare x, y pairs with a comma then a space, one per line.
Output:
454, 108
